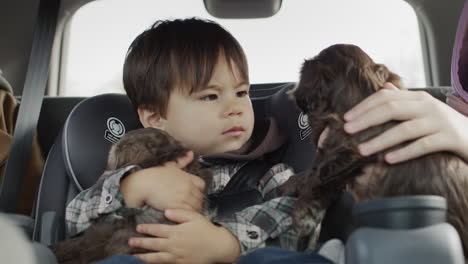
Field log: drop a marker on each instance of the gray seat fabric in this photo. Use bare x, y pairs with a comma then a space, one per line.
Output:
78, 158
43, 254
429, 245
440, 92
54, 112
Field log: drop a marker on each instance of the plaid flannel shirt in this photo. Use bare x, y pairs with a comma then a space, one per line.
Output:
253, 226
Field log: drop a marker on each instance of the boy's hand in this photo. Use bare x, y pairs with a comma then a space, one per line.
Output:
164, 187
195, 240
432, 124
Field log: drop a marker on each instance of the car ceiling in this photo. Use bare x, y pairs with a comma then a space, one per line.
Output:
438, 21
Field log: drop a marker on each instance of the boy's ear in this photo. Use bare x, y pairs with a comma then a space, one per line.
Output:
149, 118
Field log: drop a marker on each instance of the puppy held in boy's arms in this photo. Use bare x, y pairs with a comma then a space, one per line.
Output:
146, 147
331, 83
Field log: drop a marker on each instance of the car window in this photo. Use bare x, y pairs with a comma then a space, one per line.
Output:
100, 32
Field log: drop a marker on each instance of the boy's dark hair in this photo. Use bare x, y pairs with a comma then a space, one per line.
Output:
332, 83
177, 53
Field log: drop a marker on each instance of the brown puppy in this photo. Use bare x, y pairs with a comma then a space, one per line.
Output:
331, 83
147, 147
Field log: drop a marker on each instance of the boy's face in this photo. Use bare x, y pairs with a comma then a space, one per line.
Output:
217, 119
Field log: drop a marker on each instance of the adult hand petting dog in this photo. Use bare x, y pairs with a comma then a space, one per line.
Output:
435, 125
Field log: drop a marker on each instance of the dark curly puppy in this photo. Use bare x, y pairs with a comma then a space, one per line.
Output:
147, 147
331, 83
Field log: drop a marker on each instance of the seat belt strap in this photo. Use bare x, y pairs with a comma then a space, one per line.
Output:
31, 102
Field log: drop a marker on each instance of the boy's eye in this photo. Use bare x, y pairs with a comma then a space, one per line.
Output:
209, 97
242, 93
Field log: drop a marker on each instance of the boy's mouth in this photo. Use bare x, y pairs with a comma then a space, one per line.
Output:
234, 131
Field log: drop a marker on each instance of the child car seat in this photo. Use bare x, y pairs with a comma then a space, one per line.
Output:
79, 153
78, 156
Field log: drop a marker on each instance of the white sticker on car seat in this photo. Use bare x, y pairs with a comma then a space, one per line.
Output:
303, 123
115, 129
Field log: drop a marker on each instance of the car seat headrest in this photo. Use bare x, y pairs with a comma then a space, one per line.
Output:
97, 122
90, 130
439, 243
294, 124
403, 212
460, 56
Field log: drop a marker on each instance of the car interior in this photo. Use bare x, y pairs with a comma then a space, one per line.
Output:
74, 134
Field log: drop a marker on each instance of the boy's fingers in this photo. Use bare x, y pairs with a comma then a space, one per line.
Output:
199, 183
149, 243
197, 195
183, 161
191, 206
198, 198
180, 216
157, 258
390, 86
171, 164
155, 230
398, 134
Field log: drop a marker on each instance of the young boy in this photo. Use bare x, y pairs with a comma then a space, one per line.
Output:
189, 78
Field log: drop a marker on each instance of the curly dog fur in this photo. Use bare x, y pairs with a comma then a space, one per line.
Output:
146, 147
330, 84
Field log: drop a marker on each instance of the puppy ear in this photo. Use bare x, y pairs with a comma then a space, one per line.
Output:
313, 95
312, 91
112, 161
383, 75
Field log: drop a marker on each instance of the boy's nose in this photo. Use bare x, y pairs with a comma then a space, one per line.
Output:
233, 108
234, 113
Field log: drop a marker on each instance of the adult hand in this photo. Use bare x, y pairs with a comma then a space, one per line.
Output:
165, 187
433, 125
